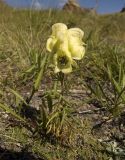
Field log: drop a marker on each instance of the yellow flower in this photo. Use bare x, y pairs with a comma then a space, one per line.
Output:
66, 46
63, 63
59, 34
76, 47
62, 59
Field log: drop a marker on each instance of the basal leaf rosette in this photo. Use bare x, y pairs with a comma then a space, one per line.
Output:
66, 46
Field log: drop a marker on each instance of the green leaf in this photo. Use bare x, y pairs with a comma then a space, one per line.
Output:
18, 96
117, 86
63, 117
54, 115
119, 90
50, 103
109, 72
31, 69
44, 117
40, 74
9, 110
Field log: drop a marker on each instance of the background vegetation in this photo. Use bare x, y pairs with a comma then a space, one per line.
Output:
37, 121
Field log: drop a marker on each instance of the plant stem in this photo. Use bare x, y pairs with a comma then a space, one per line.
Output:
31, 96
61, 79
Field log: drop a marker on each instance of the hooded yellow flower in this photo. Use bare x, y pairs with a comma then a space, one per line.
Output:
66, 46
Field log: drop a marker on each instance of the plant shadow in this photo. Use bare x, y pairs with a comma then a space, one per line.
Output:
30, 112
13, 155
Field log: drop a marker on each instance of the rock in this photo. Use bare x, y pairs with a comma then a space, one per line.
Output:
123, 10
73, 6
